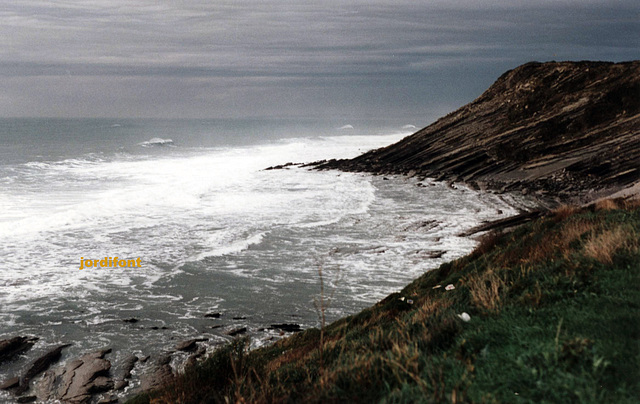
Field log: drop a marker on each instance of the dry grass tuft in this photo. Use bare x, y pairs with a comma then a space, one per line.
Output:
571, 232
486, 289
564, 211
603, 246
428, 309
534, 251
529, 253
606, 204
486, 244
631, 203
574, 230
290, 356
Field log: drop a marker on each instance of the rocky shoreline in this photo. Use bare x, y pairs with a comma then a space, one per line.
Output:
91, 377
54, 372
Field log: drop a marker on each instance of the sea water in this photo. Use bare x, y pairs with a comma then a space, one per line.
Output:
214, 231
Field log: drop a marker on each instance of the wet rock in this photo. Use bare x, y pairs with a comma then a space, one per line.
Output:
125, 372
10, 348
193, 359
425, 225
506, 223
40, 365
237, 331
286, 327
127, 366
435, 254
10, 383
159, 375
120, 385
281, 166
108, 400
189, 345
85, 377
78, 380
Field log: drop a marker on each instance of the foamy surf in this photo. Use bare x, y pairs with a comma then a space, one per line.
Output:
215, 232
157, 141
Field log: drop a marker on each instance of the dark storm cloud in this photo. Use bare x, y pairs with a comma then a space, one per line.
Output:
224, 58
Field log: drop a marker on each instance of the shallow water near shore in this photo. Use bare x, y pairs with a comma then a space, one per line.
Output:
215, 232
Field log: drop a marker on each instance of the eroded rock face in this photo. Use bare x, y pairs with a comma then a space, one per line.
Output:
38, 366
78, 380
160, 374
125, 372
560, 128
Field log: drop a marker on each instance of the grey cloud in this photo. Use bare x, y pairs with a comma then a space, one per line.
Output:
243, 51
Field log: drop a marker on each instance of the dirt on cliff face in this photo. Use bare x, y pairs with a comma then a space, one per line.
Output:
567, 129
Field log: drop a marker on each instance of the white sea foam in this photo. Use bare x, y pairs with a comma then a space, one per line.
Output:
233, 247
157, 141
214, 231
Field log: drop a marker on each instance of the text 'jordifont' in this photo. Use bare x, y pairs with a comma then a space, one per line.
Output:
109, 262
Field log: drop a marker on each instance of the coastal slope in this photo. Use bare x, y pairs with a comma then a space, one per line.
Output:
565, 129
546, 313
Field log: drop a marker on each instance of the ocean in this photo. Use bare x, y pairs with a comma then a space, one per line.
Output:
214, 231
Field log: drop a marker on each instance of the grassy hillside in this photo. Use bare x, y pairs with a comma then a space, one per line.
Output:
553, 306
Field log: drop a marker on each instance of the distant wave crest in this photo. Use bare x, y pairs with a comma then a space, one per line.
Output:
156, 141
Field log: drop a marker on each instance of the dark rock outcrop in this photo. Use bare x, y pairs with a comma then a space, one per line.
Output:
78, 380
11, 383
237, 331
40, 365
125, 372
159, 375
190, 344
286, 327
10, 348
562, 128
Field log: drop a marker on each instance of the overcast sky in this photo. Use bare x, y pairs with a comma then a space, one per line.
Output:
218, 58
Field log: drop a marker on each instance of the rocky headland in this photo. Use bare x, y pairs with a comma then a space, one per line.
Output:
565, 131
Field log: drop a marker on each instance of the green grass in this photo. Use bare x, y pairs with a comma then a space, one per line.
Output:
554, 306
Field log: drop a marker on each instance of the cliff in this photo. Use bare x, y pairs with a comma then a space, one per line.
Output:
564, 129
